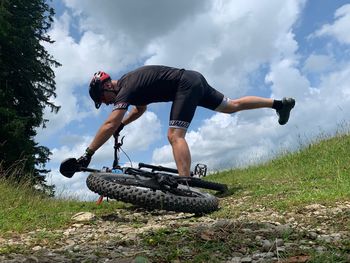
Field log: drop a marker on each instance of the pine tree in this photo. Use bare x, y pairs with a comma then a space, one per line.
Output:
26, 83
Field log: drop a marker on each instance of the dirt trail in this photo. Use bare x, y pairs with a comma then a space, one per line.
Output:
120, 237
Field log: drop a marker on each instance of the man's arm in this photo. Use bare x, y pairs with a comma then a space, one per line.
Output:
107, 129
134, 114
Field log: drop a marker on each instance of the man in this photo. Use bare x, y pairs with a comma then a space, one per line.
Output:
185, 88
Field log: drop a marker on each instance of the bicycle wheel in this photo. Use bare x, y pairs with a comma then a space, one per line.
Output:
129, 189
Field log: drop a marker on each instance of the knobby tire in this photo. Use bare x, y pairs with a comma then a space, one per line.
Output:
121, 187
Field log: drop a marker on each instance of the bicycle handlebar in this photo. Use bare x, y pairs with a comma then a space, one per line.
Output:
86, 169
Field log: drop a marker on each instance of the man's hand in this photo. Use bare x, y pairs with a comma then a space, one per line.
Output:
85, 159
116, 133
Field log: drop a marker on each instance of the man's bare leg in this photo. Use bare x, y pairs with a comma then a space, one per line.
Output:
282, 107
246, 103
181, 151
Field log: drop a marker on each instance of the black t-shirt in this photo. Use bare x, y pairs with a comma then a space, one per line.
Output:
146, 85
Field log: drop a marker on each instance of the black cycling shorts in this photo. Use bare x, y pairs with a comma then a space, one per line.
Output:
193, 90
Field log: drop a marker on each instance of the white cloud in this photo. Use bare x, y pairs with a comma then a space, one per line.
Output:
225, 141
318, 63
207, 36
75, 150
340, 28
143, 132
139, 22
228, 42
80, 59
287, 80
139, 136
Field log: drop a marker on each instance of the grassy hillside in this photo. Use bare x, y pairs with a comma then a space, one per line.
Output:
317, 174
22, 209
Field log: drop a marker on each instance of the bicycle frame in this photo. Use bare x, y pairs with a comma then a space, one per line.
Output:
70, 166
200, 169
156, 188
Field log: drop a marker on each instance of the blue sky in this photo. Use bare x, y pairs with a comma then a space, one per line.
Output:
268, 48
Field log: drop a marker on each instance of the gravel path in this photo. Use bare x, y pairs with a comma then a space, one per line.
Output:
118, 237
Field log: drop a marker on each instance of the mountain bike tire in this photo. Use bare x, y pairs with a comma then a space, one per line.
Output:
121, 188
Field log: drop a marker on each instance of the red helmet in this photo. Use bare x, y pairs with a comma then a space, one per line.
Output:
96, 85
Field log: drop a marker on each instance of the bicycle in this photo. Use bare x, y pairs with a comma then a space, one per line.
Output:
150, 186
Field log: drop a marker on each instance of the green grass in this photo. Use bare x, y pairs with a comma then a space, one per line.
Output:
318, 173
22, 209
